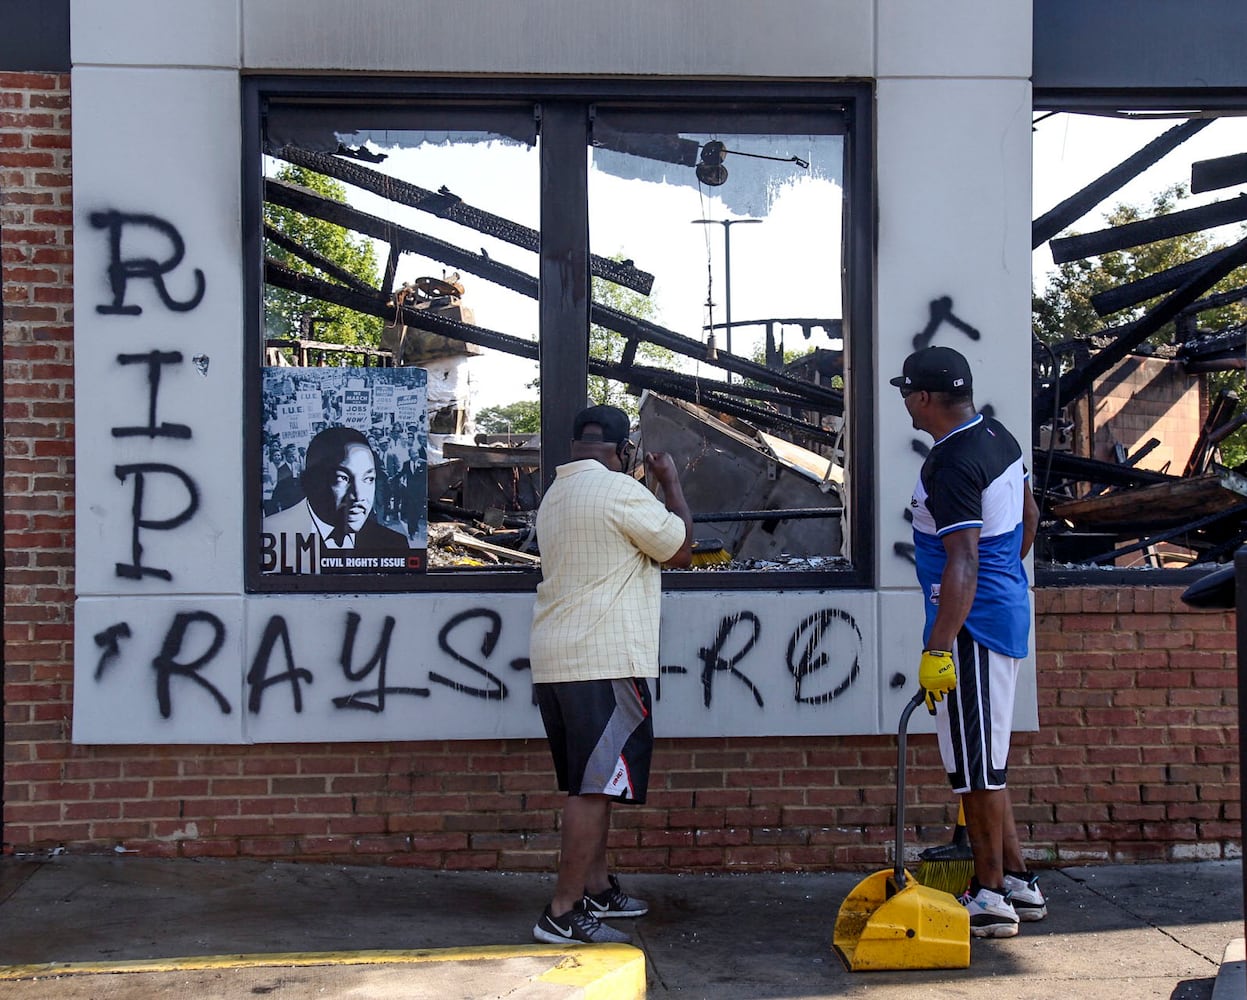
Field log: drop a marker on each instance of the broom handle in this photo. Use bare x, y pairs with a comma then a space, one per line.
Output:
898, 872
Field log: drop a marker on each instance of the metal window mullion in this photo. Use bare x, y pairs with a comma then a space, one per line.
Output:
563, 277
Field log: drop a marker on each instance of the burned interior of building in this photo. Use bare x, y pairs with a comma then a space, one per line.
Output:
1128, 422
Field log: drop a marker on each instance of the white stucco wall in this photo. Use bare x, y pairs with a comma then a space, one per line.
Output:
157, 138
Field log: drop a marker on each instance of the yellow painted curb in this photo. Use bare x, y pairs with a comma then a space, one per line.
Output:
603, 971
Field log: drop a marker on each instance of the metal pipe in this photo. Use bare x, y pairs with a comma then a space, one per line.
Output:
794, 514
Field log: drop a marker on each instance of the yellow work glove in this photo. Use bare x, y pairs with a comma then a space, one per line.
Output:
936, 674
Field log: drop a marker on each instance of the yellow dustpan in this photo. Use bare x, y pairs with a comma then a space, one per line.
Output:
890, 921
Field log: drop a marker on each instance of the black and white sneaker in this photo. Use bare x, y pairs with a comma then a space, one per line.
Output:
1026, 896
991, 914
614, 902
577, 925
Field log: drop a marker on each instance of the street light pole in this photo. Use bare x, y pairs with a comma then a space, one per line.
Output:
727, 274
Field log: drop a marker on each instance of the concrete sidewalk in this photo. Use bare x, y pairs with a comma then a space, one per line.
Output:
233, 929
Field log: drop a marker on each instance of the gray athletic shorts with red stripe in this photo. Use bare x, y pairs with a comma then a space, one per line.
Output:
601, 735
974, 722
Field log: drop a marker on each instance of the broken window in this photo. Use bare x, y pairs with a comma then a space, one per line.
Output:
406, 240
1140, 325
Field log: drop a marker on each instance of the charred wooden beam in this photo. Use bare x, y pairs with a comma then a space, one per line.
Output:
1220, 413
317, 260
1077, 382
1134, 292
1162, 227
1222, 172
1150, 445
662, 379
720, 398
1217, 363
446, 205
691, 390
631, 326
373, 303
1077, 205
1214, 345
1183, 531
391, 270
1075, 468
310, 203
1217, 300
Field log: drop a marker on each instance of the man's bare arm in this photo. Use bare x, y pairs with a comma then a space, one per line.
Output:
663, 468
1030, 518
958, 586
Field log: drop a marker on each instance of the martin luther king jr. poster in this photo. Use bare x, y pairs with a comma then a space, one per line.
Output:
344, 477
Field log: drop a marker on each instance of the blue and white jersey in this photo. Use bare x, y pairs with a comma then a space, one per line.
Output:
974, 477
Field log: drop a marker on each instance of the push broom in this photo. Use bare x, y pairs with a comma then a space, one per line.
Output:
948, 867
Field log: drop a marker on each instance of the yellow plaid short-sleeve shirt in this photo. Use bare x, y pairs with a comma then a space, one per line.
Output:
603, 537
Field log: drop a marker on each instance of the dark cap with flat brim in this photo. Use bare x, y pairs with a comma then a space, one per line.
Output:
614, 423
935, 369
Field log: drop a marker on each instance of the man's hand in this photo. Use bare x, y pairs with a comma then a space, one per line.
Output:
936, 675
661, 466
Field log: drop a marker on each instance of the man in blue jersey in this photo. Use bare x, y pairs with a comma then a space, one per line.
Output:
974, 521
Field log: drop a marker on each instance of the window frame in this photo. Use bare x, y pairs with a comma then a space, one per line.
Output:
1053, 100
566, 105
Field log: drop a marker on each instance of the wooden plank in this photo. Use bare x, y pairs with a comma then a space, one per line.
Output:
1158, 506
500, 551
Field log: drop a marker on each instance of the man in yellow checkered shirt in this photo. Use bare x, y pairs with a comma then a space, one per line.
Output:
603, 538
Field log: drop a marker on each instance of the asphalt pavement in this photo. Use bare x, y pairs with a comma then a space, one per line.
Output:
75, 927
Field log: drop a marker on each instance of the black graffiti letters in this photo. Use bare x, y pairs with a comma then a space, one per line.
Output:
258, 676
143, 229
122, 270
168, 667
135, 570
107, 641
498, 691
942, 312
714, 663
154, 360
284, 654
372, 700
809, 655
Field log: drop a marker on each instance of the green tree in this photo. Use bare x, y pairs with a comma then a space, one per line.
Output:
284, 310
521, 417
1063, 311
607, 345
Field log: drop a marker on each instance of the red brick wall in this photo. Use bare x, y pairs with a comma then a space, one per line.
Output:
1136, 758
1141, 398
36, 258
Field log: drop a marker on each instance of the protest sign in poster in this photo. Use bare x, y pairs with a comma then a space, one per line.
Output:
345, 470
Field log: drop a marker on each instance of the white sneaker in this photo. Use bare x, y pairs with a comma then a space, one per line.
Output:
1026, 896
991, 914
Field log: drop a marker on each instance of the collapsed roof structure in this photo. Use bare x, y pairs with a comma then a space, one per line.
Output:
1107, 498
1110, 492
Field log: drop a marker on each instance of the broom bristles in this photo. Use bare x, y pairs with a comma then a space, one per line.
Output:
709, 552
950, 866
951, 877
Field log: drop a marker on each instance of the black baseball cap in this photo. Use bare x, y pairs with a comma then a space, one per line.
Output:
615, 424
935, 369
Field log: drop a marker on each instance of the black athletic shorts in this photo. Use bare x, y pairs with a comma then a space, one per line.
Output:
601, 735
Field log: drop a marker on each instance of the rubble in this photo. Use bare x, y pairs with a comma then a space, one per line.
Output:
1126, 467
